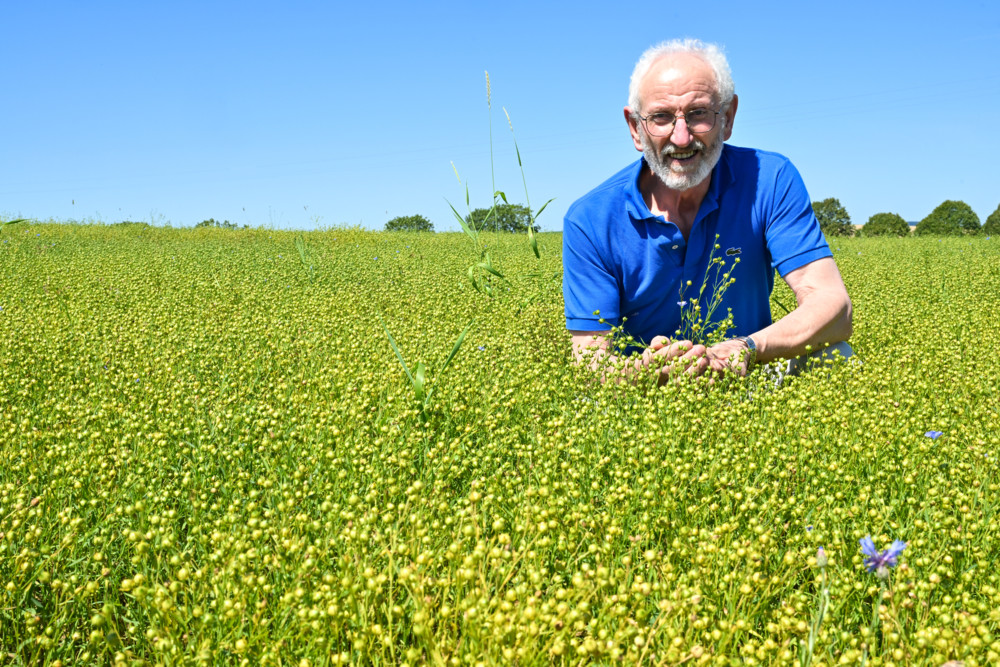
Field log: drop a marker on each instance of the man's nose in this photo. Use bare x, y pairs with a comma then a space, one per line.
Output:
680, 136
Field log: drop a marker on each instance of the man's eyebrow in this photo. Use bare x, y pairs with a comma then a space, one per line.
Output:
656, 108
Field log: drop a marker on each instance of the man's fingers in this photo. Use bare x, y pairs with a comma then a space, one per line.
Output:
683, 357
698, 367
659, 342
680, 348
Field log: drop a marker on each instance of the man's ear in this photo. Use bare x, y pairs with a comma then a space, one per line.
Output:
633, 128
730, 116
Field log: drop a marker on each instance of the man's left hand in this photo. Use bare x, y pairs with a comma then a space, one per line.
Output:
729, 356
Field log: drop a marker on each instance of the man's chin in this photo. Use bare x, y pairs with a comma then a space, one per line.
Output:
683, 181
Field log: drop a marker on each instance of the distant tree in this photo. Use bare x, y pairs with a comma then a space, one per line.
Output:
950, 218
886, 224
409, 223
992, 225
833, 218
225, 224
512, 218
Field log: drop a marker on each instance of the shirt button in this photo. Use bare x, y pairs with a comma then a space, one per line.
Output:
675, 248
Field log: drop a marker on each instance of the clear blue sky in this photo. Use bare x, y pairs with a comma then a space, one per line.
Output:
306, 114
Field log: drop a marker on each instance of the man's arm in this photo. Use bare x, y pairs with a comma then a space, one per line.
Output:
823, 315
592, 349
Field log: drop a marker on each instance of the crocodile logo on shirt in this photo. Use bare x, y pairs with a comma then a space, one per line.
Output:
734, 251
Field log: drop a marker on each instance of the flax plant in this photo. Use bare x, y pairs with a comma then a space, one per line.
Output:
697, 322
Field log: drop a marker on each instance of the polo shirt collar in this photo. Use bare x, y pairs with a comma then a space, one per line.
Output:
636, 207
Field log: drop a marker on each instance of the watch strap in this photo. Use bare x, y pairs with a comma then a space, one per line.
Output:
751, 351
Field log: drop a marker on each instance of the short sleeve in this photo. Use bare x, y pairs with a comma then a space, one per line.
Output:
588, 284
792, 232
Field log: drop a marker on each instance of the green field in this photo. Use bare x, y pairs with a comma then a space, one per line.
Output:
210, 454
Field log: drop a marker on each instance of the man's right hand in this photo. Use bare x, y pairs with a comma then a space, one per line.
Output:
675, 358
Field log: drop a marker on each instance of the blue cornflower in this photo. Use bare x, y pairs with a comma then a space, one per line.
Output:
822, 560
682, 303
934, 435
880, 561
481, 348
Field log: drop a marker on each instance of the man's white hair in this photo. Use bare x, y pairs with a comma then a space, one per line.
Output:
710, 53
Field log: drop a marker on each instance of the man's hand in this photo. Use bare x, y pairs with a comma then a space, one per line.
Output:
729, 356
670, 359
675, 359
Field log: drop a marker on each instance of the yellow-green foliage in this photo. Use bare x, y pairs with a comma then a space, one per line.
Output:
209, 454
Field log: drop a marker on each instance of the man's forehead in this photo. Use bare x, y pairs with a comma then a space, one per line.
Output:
681, 72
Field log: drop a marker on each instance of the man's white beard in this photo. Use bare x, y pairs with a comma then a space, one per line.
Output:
683, 178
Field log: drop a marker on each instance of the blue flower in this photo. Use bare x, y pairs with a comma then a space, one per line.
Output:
880, 561
481, 348
934, 435
682, 303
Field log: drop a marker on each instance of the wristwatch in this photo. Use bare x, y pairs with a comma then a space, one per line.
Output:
751, 350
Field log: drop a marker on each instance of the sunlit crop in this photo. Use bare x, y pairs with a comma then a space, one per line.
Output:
210, 454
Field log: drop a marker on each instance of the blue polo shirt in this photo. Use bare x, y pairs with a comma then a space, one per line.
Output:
624, 262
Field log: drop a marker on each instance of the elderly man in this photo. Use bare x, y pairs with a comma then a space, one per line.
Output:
638, 246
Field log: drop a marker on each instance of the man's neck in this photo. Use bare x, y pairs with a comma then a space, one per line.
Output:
677, 206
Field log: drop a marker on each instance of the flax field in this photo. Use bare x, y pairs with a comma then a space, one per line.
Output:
262, 447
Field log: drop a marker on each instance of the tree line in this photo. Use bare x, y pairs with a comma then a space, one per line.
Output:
512, 218
950, 218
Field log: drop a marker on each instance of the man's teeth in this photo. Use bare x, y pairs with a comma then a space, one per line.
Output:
682, 156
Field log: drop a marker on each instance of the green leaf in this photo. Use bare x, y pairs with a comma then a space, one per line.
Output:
532, 241
472, 278
502, 196
14, 222
458, 344
395, 348
783, 307
543, 206
300, 245
470, 231
418, 381
488, 266
489, 269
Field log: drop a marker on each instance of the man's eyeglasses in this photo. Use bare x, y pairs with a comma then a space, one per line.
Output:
662, 124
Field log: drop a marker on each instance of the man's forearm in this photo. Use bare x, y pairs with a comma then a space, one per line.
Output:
823, 314
821, 318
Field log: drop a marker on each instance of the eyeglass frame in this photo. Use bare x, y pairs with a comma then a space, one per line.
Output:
673, 125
